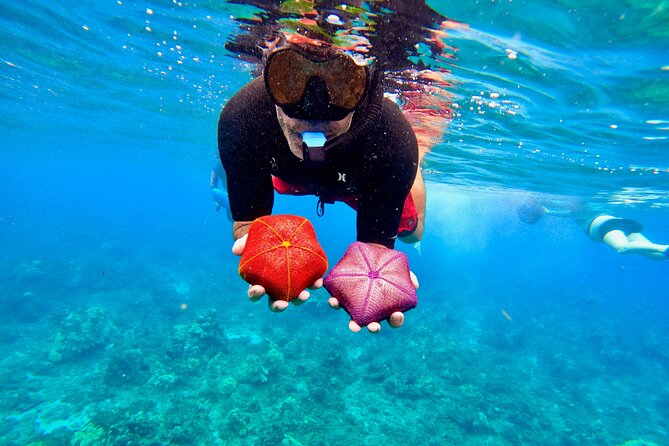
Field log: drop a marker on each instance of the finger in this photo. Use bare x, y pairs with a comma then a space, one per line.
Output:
301, 298
354, 327
277, 306
396, 319
374, 327
317, 284
334, 303
414, 279
255, 292
238, 246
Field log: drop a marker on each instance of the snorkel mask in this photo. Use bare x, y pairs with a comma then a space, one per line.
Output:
326, 87
315, 87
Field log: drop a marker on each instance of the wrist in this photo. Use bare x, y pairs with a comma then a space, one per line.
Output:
377, 245
240, 229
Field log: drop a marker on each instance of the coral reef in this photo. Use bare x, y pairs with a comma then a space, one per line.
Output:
127, 367
228, 373
80, 332
637, 443
201, 338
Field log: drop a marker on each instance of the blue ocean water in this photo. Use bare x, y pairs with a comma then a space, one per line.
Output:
124, 321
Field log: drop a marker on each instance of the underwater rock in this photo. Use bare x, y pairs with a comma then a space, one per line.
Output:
637, 443
333, 361
227, 386
274, 359
270, 437
142, 425
479, 424
30, 270
188, 421
203, 337
125, 422
164, 382
252, 371
238, 422
290, 441
80, 332
60, 435
290, 408
23, 306
126, 368
89, 435
182, 434
410, 387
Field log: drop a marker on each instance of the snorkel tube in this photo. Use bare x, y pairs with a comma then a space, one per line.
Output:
313, 147
317, 150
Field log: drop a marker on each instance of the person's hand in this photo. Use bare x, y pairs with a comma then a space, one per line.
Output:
395, 320
256, 292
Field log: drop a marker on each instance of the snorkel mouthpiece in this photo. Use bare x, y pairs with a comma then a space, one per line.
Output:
314, 139
313, 148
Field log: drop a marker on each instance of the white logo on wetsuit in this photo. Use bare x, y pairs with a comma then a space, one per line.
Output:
342, 177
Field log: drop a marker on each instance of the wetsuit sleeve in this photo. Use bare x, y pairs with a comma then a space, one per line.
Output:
390, 164
244, 154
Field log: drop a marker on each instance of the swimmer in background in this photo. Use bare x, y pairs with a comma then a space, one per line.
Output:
621, 234
219, 187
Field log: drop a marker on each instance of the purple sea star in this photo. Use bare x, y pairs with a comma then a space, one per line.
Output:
371, 283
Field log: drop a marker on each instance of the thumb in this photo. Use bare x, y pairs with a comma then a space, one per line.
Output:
239, 245
414, 279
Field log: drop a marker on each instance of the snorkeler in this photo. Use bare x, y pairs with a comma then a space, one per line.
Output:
625, 237
317, 123
218, 186
622, 234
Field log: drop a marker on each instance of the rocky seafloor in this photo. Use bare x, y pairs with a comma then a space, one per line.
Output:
174, 356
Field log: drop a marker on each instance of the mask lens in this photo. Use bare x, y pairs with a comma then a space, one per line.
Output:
346, 82
284, 78
288, 72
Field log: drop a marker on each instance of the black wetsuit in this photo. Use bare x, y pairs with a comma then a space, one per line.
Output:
379, 168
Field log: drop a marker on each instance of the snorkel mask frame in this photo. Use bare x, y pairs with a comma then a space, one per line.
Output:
311, 87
